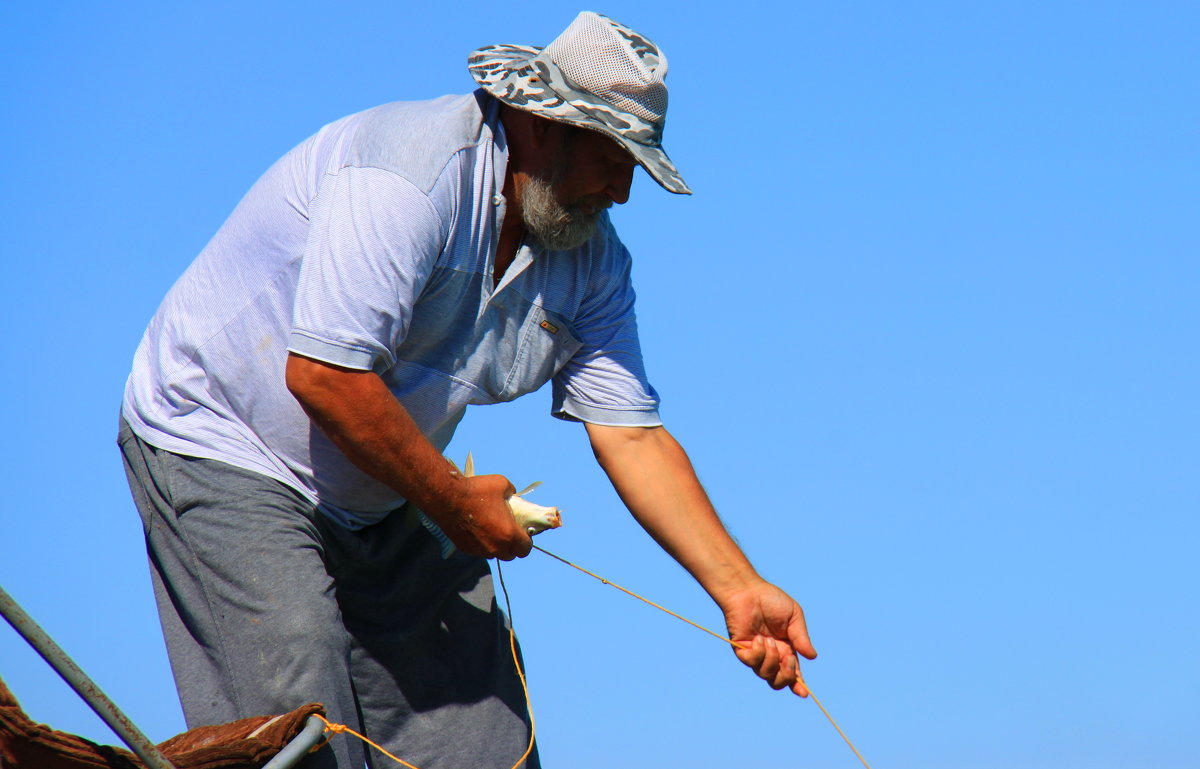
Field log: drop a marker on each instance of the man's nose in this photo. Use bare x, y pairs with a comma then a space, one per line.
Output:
619, 184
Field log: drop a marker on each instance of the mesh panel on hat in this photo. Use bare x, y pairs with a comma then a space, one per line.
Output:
596, 58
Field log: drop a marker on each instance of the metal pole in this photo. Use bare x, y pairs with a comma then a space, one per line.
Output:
299, 747
83, 686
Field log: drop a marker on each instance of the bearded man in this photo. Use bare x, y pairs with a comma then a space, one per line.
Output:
283, 424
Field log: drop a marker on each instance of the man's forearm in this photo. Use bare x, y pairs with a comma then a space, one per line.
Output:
359, 415
355, 410
656, 481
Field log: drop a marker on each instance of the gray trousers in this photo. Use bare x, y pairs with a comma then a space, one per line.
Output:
267, 605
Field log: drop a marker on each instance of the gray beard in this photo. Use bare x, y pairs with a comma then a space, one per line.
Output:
555, 226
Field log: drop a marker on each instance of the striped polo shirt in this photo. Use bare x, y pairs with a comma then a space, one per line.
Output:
371, 246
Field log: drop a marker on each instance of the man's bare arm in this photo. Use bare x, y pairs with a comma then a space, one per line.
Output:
654, 477
357, 412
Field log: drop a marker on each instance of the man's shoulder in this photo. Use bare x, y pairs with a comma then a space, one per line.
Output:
416, 139
606, 246
603, 259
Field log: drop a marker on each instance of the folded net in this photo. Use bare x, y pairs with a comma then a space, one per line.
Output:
245, 744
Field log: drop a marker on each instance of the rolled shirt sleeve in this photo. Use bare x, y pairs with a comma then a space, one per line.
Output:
605, 381
373, 243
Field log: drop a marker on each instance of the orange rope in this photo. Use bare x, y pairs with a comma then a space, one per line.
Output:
512, 643
340, 728
711, 633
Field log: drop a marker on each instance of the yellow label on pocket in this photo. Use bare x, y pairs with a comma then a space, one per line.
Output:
553, 329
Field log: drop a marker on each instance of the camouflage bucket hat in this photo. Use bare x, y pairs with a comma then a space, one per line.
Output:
598, 74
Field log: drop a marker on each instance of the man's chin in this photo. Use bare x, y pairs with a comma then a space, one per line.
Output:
556, 226
577, 230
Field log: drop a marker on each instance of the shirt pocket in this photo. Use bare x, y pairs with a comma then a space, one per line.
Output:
547, 343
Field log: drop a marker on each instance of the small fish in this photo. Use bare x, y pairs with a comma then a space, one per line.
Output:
533, 518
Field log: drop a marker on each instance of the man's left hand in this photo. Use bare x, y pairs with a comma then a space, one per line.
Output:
768, 625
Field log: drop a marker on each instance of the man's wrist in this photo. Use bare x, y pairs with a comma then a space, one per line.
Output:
727, 581
446, 497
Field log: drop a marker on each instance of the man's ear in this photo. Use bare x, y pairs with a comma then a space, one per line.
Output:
541, 131
527, 130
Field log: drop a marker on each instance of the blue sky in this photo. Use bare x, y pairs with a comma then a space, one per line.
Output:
927, 328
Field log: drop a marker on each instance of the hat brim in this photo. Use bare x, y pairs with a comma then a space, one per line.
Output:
517, 77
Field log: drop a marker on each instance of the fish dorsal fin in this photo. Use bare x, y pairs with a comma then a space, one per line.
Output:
528, 489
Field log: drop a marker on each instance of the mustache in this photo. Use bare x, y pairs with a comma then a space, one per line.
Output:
596, 203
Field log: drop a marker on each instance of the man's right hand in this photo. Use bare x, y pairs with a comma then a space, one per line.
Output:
479, 521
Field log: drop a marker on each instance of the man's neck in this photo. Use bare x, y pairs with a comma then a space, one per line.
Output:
512, 232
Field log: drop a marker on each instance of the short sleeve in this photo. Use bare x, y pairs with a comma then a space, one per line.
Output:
373, 240
605, 381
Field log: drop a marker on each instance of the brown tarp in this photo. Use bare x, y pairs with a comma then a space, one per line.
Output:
245, 744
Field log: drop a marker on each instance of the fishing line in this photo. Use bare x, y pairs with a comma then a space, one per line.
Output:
729, 641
